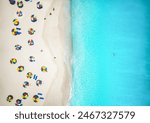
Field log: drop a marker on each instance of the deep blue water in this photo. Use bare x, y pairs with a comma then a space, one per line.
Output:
111, 52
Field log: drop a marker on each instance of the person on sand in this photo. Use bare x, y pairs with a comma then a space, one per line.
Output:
16, 31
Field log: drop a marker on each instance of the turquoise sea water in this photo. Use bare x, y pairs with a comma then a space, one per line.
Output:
111, 47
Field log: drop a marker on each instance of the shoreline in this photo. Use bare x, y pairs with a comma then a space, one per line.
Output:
62, 54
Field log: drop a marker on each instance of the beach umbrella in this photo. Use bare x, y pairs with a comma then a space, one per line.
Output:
19, 4
12, 2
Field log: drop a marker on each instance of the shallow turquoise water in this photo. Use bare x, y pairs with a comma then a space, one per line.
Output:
111, 61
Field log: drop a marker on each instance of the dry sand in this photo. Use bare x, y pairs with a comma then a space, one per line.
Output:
52, 36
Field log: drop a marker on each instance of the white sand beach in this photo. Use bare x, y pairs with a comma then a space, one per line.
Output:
51, 50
